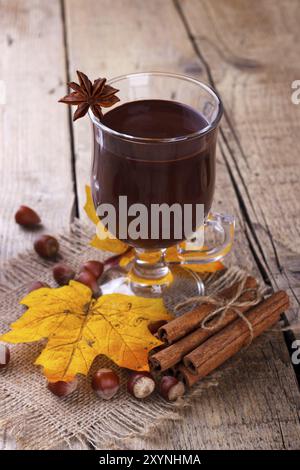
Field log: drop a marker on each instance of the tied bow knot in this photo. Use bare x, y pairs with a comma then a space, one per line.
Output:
215, 318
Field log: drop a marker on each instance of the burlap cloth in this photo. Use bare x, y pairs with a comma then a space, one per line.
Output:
39, 420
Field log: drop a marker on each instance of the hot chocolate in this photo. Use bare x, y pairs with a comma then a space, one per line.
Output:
180, 170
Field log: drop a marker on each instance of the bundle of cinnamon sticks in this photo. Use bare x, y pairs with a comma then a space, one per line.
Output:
192, 351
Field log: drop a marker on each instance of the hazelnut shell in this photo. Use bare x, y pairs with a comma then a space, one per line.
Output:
140, 384
87, 278
27, 217
105, 383
46, 246
171, 388
63, 274
61, 388
94, 267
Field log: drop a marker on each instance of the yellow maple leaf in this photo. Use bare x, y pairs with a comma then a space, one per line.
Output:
108, 244
79, 328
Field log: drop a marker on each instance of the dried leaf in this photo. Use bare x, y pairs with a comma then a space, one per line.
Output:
79, 328
109, 244
89, 206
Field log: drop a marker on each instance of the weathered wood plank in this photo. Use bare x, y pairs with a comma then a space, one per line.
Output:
250, 51
256, 405
35, 158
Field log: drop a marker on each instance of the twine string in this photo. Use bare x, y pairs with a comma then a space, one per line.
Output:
223, 306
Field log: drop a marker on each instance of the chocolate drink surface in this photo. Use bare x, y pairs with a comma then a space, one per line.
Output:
154, 171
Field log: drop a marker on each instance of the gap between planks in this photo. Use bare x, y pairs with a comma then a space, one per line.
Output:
75, 212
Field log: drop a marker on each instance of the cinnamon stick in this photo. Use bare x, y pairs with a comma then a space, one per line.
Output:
171, 355
221, 346
182, 373
181, 326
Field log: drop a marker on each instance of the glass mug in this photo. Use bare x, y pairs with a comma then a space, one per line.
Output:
175, 168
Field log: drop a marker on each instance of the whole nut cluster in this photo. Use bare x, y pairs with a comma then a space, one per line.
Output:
106, 383
47, 247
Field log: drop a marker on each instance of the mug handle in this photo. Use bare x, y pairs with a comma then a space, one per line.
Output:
221, 224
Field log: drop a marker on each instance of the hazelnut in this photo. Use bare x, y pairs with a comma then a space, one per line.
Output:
113, 260
63, 274
4, 355
27, 217
46, 246
94, 267
86, 278
61, 388
140, 384
170, 388
106, 383
36, 285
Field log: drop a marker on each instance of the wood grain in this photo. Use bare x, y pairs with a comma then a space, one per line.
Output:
35, 158
35, 153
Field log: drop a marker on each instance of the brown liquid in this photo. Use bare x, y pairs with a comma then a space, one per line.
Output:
154, 172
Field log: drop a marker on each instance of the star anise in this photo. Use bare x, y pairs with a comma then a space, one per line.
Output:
96, 95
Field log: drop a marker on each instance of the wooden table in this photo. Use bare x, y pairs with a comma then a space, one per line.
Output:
249, 51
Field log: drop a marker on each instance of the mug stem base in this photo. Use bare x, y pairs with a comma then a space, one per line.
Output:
150, 274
